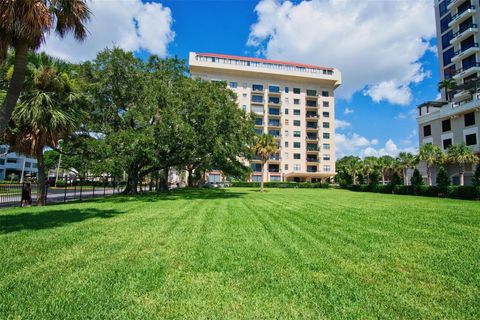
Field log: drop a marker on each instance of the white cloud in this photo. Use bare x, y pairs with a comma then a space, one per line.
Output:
342, 124
128, 24
375, 44
358, 145
401, 116
348, 111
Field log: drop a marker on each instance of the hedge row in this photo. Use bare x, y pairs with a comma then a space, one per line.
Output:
309, 185
454, 192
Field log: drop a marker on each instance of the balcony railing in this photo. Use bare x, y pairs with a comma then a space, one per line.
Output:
311, 138
312, 170
473, 65
275, 158
312, 104
274, 124
455, 16
312, 115
473, 45
273, 113
462, 30
313, 149
312, 160
312, 126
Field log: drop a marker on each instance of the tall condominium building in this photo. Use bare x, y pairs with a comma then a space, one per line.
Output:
294, 102
12, 165
455, 117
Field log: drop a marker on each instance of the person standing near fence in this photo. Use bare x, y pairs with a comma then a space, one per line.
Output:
26, 194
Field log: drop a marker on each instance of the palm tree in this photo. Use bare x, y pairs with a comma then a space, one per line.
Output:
370, 164
385, 164
265, 146
432, 155
406, 161
47, 111
461, 155
23, 26
353, 167
448, 85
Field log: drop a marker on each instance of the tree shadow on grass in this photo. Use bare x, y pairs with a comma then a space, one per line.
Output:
50, 218
178, 194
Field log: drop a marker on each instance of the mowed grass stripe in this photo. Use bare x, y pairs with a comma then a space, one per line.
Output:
238, 253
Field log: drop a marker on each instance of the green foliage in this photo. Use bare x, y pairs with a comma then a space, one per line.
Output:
51, 159
374, 177
283, 185
395, 180
417, 179
443, 181
476, 177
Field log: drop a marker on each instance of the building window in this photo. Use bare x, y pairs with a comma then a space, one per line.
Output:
296, 145
446, 39
296, 156
287, 133
446, 125
257, 179
296, 123
326, 114
274, 89
326, 135
326, 168
259, 121
471, 139
326, 146
296, 167
2, 162
286, 111
447, 143
296, 90
469, 119
287, 122
258, 131
444, 23
11, 160
326, 104
275, 178
286, 167
244, 95
447, 56
286, 100
296, 134
326, 125
286, 144
427, 131
296, 101
325, 94
296, 112
244, 108
257, 99
326, 157
287, 156
257, 87
233, 85
311, 93
286, 89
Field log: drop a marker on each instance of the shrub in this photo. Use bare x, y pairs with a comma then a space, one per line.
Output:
396, 180
476, 177
443, 181
463, 192
416, 179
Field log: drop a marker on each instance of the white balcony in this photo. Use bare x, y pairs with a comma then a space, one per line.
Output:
453, 3
462, 16
460, 54
464, 34
452, 109
465, 72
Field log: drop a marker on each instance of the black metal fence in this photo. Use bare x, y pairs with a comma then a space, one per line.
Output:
59, 190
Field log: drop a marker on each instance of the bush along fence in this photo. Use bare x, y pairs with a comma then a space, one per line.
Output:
308, 185
454, 192
62, 190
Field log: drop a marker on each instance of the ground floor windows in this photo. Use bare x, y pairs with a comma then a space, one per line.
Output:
213, 178
447, 143
471, 139
257, 179
275, 178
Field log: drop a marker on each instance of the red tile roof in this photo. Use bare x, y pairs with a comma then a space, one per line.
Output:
226, 56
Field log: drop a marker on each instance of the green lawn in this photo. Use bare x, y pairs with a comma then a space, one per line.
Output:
236, 253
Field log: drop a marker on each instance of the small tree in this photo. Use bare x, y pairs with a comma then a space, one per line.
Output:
417, 179
461, 155
432, 155
443, 181
264, 147
396, 180
476, 177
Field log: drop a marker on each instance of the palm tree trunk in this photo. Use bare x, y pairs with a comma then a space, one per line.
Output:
462, 176
16, 84
42, 190
429, 176
383, 178
405, 180
263, 177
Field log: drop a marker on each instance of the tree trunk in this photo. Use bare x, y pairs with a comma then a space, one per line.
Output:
383, 178
132, 183
42, 190
405, 180
15, 86
429, 176
263, 177
190, 177
164, 180
462, 175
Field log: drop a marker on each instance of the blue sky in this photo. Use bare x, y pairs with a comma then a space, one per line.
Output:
385, 50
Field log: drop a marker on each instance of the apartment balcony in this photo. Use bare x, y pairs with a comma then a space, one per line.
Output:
312, 169
260, 103
466, 71
462, 16
313, 148
311, 128
453, 3
259, 125
312, 160
311, 116
274, 114
274, 93
274, 159
462, 53
464, 33
274, 103
311, 138
274, 124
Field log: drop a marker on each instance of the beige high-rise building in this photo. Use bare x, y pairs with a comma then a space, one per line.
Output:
294, 102
455, 118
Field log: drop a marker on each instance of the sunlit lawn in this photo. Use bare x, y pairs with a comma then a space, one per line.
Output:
236, 253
